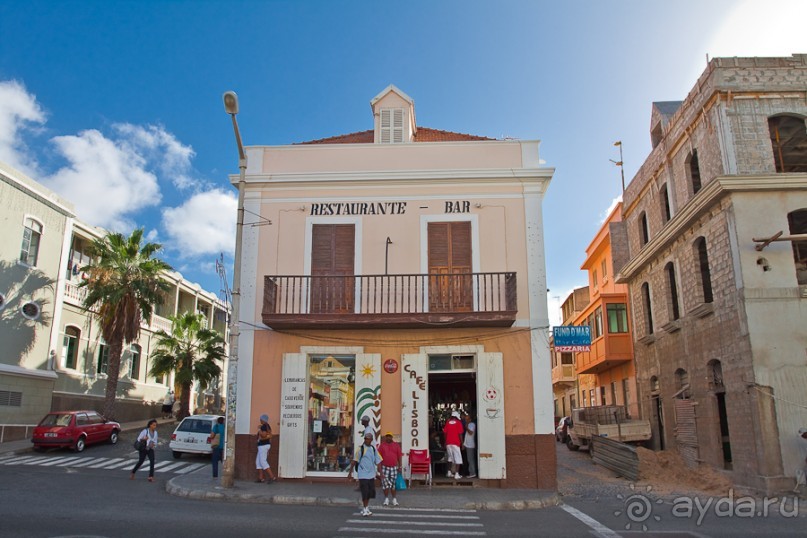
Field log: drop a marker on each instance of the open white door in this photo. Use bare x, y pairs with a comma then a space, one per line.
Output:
293, 416
414, 404
490, 416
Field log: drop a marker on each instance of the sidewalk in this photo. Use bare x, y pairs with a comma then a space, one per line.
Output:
201, 485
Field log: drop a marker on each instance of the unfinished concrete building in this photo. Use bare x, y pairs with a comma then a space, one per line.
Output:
716, 220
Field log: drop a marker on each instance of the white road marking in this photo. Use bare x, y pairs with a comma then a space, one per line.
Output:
173, 466
193, 467
384, 530
435, 516
109, 464
35, 461
421, 523
13, 461
598, 528
60, 461
124, 463
86, 462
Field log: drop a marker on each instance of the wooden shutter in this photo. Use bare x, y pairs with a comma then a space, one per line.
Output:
450, 286
333, 250
686, 435
293, 422
391, 129
490, 417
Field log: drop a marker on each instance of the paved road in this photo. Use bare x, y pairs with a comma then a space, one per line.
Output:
59, 493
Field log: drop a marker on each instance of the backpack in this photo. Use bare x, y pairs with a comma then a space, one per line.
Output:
361, 455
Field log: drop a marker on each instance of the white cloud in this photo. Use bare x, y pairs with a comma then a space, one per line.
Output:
204, 224
18, 111
611, 207
156, 145
750, 30
105, 180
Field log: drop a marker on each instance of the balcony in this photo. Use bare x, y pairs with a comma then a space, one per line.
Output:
389, 301
73, 293
606, 352
563, 374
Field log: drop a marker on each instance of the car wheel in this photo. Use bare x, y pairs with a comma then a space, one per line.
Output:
571, 446
80, 444
113, 437
177, 455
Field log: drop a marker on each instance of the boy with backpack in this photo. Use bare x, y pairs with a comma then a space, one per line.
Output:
367, 463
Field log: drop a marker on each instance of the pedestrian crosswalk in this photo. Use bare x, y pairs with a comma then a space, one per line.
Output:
73, 462
404, 522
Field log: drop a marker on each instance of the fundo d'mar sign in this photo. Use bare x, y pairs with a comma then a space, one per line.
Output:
570, 338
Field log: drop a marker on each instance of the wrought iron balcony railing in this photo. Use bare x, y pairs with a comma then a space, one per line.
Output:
403, 301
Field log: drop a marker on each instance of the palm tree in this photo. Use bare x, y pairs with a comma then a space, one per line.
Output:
123, 281
191, 350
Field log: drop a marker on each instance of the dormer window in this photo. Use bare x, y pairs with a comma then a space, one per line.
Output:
392, 127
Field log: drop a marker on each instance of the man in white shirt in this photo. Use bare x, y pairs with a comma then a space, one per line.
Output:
469, 444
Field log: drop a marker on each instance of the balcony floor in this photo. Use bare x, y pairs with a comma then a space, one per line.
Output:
389, 321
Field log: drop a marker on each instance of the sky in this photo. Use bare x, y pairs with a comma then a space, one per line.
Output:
117, 105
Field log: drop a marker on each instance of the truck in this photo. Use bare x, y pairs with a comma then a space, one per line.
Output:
605, 421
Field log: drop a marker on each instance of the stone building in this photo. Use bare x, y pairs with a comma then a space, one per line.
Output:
716, 219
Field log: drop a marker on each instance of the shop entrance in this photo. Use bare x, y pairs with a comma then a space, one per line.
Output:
452, 387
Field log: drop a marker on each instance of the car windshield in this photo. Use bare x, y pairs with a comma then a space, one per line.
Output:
56, 419
195, 425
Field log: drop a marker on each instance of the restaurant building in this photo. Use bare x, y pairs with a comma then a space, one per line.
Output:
396, 273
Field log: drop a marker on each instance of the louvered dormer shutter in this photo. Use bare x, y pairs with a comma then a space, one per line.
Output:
392, 120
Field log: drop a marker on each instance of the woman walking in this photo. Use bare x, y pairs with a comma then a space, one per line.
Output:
217, 436
264, 436
148, 440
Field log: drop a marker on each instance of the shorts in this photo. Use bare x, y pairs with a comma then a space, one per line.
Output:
260, 460
388, 476
453, 453
367, 488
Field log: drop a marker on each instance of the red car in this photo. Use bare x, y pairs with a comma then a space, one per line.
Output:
74, 429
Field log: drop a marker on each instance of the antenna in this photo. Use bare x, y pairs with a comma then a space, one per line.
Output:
221, 270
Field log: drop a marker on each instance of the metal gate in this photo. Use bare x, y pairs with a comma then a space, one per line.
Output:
686, 435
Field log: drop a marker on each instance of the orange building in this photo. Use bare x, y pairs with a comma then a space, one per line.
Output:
610, 361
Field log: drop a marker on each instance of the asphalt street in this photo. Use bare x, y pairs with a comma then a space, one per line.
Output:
59, 494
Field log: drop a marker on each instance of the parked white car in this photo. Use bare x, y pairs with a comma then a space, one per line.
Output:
192, 436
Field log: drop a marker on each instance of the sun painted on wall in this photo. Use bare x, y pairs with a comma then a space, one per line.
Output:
368, 370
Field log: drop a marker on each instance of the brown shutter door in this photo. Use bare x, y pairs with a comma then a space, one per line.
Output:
449, 257
333, 248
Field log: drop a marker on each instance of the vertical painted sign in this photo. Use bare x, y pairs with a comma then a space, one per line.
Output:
414, 403
490, 416
368, 391
293, 416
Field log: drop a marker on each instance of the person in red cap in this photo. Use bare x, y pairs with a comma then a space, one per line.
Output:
391, 457
453, 431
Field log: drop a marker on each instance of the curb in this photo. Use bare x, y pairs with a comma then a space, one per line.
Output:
233, 495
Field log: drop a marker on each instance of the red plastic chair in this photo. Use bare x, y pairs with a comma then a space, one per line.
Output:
420, 463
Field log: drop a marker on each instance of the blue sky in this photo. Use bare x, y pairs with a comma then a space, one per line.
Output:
117, 105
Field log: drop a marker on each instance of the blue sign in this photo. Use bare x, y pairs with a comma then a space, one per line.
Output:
571, 338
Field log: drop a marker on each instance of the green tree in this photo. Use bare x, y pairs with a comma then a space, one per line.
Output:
123, 285
192, 352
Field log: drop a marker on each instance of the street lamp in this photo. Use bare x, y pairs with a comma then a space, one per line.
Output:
620, 163
228, 472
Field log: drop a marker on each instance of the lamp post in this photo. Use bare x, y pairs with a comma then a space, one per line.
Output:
228, 472
620, 163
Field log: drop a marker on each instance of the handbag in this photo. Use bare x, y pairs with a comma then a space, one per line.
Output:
400, 482
140, 444
215, 440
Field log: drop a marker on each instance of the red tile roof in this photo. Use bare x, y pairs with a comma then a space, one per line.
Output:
424, 134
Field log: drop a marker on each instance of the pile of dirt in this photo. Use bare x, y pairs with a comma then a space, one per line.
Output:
666, 470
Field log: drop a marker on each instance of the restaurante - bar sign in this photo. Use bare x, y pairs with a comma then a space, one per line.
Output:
571, 338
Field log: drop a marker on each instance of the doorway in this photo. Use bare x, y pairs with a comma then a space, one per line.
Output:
452, 387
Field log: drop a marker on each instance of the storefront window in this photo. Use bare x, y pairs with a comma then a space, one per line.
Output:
331, 423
